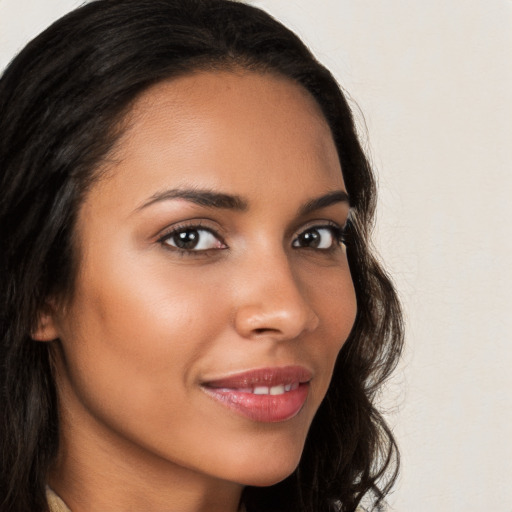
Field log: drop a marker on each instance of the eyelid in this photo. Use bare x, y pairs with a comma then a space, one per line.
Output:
338, 231
193, 224
321, 223
200, 225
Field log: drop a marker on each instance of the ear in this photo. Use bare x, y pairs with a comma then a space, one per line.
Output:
46, 330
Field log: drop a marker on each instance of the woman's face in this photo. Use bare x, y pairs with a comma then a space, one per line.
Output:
213, 292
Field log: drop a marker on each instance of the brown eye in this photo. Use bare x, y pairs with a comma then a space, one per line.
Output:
193, 239
321, 237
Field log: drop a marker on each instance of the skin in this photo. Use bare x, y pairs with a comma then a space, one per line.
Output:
147, 324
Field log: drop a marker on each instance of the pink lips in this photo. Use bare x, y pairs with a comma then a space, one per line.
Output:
266, 394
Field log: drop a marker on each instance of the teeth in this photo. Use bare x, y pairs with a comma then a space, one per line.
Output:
274, 390
280, 389
277, 390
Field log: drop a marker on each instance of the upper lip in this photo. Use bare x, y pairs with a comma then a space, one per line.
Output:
272, 376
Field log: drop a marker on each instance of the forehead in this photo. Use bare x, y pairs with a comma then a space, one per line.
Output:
230, 95
235, 131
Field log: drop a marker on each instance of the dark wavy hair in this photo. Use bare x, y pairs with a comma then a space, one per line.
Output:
62, 104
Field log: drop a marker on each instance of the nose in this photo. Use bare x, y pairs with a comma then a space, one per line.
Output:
272, 302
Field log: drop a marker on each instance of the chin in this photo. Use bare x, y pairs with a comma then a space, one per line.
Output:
264, 473
267, 480
262, 456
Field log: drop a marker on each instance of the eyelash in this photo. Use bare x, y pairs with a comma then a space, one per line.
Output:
338, 233
183, 228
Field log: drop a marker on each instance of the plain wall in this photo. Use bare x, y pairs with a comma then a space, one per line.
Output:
434, 81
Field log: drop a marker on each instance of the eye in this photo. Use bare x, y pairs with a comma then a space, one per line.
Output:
319, 237
192, 238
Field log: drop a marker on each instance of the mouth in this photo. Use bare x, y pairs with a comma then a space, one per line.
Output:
266, 395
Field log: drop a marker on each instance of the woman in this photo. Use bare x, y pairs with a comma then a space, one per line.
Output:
191, 315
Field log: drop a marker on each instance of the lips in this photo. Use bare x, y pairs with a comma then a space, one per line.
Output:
264, 395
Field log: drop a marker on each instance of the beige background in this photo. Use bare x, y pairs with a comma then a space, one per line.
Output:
434, 80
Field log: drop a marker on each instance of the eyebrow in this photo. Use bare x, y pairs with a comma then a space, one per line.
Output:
334, 197
201, 197
219, 200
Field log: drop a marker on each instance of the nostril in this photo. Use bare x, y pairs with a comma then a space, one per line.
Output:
263, 330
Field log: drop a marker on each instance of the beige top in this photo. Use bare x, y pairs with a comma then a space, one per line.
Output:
57, 505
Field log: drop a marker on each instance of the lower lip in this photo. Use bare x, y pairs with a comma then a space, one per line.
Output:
263, 408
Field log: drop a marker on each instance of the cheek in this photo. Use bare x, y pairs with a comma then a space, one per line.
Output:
333, 298
137, 333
